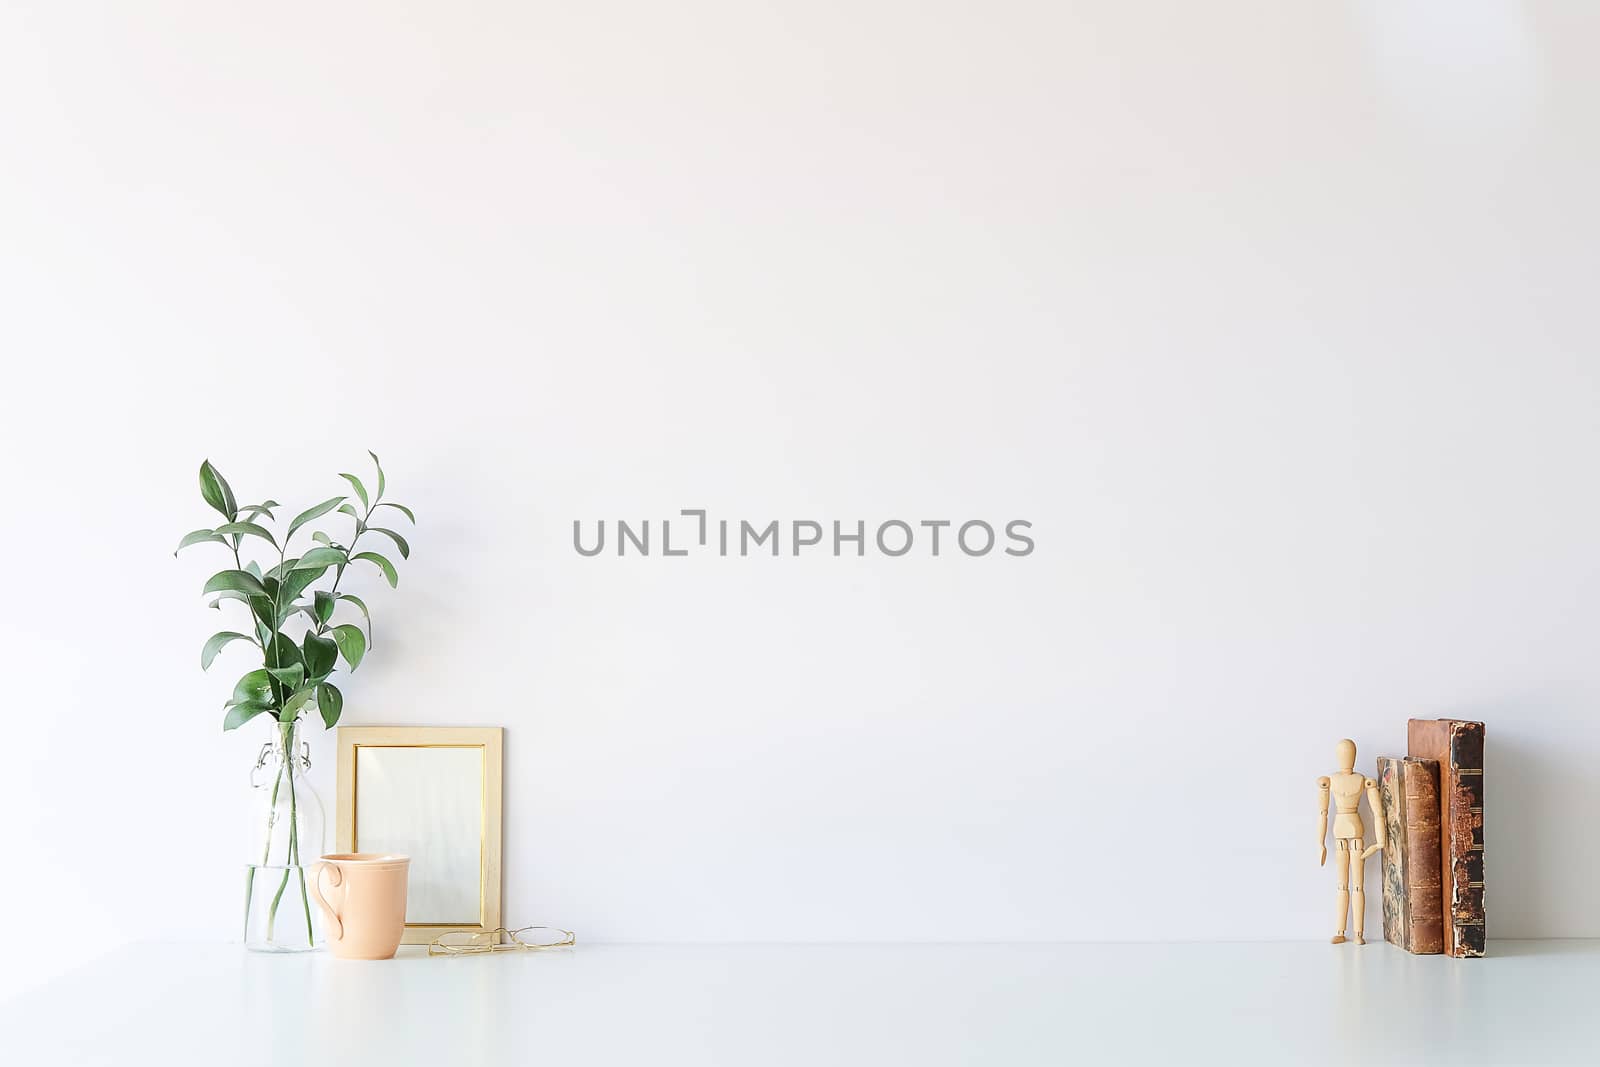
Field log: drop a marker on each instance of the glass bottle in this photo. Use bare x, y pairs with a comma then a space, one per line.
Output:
286, 837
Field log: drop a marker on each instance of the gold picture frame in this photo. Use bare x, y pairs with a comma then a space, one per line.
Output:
405, 754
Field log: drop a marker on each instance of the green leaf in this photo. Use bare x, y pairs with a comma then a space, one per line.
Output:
312, 513
330, 702
399, 542
321, 538
384, 565
352, 644
324, 605
280, 651
235, 581
291, 675
254, 688
240, 714
298, 581
250, 511
215, 644
403, 509
320, 654
268, 612
362, 604
361, 490
300, 699
350, 510
216, 605
378, 465
261, 608
214, 488
198, 536
321, 559
253, 568
291, 610
242, 528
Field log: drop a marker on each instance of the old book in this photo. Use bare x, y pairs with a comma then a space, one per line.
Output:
1413, 901
1458, 746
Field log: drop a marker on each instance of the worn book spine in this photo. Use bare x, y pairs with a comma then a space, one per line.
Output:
1412, 894
1458, 746
1391, 791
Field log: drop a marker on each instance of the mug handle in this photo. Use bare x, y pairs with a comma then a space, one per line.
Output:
316, 892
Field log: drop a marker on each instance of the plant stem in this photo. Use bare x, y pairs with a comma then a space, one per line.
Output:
272, 811
249, 892
279, 689
266, 855
285, 770
338, 574
292, 856
294, 836
273, 914
253, 634
305, 902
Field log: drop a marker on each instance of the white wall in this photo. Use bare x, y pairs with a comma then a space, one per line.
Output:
1275, 319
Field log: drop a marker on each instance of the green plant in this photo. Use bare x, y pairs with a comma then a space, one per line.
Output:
294, 675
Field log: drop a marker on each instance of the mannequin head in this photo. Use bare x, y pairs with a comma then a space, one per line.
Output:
1347, 755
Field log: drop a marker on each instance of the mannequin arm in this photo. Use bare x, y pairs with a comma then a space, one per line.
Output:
1322, 820
1380, 828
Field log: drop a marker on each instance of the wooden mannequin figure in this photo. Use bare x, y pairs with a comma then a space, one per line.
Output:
1348, 833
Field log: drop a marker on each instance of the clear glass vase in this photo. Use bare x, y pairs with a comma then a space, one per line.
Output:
286, 837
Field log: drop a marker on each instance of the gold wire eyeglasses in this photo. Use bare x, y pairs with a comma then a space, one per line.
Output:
469, 943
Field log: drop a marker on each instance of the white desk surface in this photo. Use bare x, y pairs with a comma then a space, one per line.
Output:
1283, 1003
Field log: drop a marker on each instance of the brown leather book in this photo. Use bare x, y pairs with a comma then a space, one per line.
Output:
1458, 746
1412, 898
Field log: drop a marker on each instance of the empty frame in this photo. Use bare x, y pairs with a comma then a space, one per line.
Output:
431, 793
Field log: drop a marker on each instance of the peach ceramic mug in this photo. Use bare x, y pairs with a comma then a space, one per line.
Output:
369, 889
